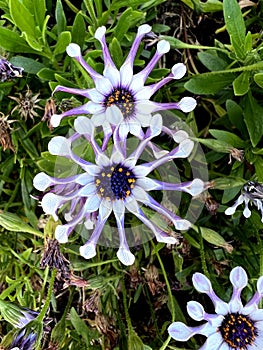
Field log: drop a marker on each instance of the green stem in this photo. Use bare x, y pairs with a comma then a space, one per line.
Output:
260, 253
125, 306
170, 296
202, 254
43, 312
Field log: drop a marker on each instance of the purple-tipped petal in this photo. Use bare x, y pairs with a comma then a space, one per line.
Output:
59, 146
88, 250
42, 181
125, 256
62, 232
195, 310
187, 104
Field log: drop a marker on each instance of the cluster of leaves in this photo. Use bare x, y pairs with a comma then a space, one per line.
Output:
99, 305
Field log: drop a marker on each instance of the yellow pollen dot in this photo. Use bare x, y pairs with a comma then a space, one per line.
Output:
103, 174
132, 186
112, 168
128, 173
108, 175
97, 182
120, 170
128, 193
101, 189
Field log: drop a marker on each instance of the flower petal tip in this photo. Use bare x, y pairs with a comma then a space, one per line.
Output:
238, 277
55, 120
41, 181
61, 234
144, 29
100, 32
179, 331
125, 256
87, 251
187, 104
73, 50
178, 70
163, 46
201, 283
59, 146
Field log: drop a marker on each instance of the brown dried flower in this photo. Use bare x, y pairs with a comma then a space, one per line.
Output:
5, 139
152, 278
50, 109
26, 104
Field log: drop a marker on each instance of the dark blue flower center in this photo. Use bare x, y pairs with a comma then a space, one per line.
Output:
123, 99
115, 182
238, 331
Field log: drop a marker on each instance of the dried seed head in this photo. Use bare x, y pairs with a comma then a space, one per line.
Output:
26, 104
50, 109
92, 304
152, 278
5, 139
237, 154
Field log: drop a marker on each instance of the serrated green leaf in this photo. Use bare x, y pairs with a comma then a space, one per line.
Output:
209, 83
14, 223
235, 26
241, 84
253, 115
64, 40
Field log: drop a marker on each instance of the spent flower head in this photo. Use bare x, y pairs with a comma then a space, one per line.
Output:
124, 89
252, 193
111, 185
8, 71
5, 138
234, 326
26, 104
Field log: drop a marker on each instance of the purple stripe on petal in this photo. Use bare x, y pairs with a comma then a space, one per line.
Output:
69, 90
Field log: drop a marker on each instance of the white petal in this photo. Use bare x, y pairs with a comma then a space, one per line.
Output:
139, 194
230, 210
185, 148
182, 224
201, 283
238, 277
42, 181
180, 136
125, 256
87, 190
163, 46
224, 346
83, 125
55, 120
178, 70
247, 212
195, 310
59, 146
143, 119
260, 285
179, 331
146, 183
187, 104
124, 129
156, 124
165, 239
114, 115
196, 187
73, 50
144, 29
50, 204
88, 251
213, 342
102, 160
92, 203
61, 233
98, 119
100, 32
104, 86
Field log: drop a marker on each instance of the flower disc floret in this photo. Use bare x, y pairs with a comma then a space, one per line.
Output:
234, 326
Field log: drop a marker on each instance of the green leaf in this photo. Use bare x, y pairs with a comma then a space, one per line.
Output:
116, 52
80, 326
60, 18
209, 83
126, 20
39, 12
228, 137
241, 84
13, 42
253, 115
79, 30
63, 41
46, 74
29, 64
235, 115
211, 6
259, 79
211, 61
235, 26
14, 223
32, 41
22, 17
213, 237
216, 145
